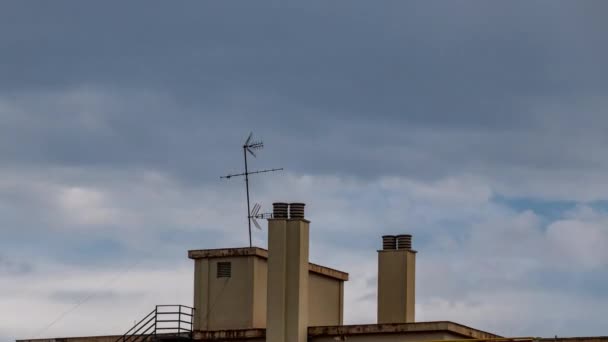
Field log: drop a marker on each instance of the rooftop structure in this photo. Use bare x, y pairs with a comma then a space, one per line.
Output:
230, 290
277, 295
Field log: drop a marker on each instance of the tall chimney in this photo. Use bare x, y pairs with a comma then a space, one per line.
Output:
396, 280
287, 306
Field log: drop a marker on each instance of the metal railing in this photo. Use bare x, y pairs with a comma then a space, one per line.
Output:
164, 320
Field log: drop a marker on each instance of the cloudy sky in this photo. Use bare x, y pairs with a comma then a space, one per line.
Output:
478, 127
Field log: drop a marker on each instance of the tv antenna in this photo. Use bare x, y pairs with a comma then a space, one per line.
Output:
249, 147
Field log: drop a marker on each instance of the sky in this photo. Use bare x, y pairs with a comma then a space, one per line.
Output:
478, 127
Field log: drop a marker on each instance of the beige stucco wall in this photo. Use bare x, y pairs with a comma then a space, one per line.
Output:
224, 303
260, 283
240, 302
396, 286
325, 297
288, 278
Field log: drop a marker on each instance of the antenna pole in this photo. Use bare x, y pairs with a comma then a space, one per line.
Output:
247, 190
249, 147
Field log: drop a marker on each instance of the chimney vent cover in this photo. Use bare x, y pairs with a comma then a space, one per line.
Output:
296, 210
404, 241
389, 242
279, 210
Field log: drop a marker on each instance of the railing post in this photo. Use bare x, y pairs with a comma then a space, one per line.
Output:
155, 319
148, 328
179, 319
191, 321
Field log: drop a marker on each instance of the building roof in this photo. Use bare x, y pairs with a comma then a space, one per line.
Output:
261, 253
392, 328
245, 334
361, 329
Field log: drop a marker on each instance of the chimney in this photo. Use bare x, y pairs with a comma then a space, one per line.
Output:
287, 306
396, 280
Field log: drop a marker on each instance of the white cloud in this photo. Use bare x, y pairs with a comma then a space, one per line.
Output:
82, 206
476, 257
581, 241
520, 312
114, 298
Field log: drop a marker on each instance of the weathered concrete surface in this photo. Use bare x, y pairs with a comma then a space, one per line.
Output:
422, 331
576, 339
457, 330
231, 335
109, 338
262, 253
106, 338
414, 332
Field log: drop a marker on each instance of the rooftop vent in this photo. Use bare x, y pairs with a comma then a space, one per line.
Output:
404, 241
224, 269
389, 242
296, 210
279, 210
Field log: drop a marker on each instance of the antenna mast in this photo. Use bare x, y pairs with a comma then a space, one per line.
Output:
249, 147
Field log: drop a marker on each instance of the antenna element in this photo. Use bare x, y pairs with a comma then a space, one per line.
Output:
249, 147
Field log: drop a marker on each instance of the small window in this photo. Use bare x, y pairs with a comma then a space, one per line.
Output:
224, 269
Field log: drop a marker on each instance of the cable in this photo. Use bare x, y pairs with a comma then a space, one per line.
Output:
215, 300
88, 297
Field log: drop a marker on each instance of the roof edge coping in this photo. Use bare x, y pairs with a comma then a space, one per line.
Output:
261, 253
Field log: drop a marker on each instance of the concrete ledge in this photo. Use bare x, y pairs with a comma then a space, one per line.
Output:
106, 338
242, 334
395, 328
227, 252
576, 339
344, 330
362, 329
261, 253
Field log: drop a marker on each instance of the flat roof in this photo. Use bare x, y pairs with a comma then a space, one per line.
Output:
245, 334
360, 329
261, 253
392, 328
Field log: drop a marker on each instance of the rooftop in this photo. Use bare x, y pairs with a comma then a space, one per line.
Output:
360, 329
261, 253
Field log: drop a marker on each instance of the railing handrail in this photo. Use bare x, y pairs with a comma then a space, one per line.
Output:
149, 325
174, 305
143, 326
138, 323
174, 313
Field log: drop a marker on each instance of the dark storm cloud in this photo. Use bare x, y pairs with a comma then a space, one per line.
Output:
339, 81
332, 51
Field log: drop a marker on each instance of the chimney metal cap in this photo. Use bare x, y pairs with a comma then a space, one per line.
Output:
279, 210
404, 241
296, 210
389, 242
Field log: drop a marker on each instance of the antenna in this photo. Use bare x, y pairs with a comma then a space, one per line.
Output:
250, 146
255, 214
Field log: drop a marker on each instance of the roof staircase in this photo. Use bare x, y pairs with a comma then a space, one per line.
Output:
166, 323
